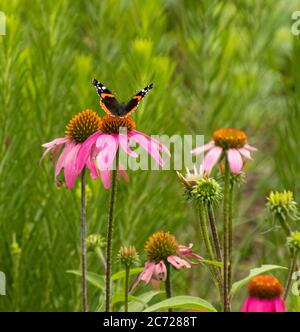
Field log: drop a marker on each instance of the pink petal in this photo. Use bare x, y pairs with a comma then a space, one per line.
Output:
85, 151
203, 148
254, 304
123, 173
56, 141
160, 272
105, 177
211, 158
148, 272
178, 262
161, 146
123, 139
249, 147
108, 146
61, 160
91, 165
246, 153
148, 145
70, 166
186, 251
235, 160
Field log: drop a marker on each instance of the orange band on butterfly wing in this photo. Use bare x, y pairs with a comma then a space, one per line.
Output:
103, 95
105, 108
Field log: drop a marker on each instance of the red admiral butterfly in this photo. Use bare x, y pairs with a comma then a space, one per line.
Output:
110, 104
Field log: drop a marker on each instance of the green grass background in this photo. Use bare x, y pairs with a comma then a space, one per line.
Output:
214, 64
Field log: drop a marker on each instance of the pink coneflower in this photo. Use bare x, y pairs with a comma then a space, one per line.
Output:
233, 143
162, 251
264, 295
109, 139
82, 126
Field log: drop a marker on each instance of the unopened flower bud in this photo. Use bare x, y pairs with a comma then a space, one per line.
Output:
293, 241
94, 241
128, 256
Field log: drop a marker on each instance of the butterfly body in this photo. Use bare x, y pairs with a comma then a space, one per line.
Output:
110, 104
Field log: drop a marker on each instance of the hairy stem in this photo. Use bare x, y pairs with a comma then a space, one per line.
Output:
112, 201
290, 275
207, 242
168, 286
83, 244
230, 237
226, 215
126, 287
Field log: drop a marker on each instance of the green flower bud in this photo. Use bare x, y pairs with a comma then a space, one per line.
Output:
283, 204
207, 191
95, 241
293, 241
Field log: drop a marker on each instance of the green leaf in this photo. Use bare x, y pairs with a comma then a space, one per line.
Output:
119, 297
94, 279
121, 274
182, 302
139, 303
254, 272
215, 263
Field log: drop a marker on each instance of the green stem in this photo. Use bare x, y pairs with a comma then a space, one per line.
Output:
214, 232
226, 224
168, 287
126, 287
83, 244
230, 237
112, 201
208, 246
290, 275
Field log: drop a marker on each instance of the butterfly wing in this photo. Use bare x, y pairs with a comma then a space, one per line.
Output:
133, 103
108, 101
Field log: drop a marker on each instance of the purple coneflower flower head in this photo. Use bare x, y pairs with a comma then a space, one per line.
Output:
65, 150
161, 249
110, 138
264, 295
233, 143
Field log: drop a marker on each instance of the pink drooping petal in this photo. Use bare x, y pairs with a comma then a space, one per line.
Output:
148, 272
105, 177
123, 139
146, 144
246, 153
203, 148
70, 166
108, 146
91, 165
254, 304
56, 141
160, 272
122, 173
249, 147
86, 150
61, 160
186, 251
161, 146
54, 145
211, 158
178, 262
235, 161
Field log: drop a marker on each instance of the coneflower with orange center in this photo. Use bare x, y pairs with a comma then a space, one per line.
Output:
264, 295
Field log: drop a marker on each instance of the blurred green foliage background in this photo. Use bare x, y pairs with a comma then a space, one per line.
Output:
214, 64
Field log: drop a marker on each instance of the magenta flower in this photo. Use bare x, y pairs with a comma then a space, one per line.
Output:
233, 143
105, 144
264, 295
161, 249
65, 150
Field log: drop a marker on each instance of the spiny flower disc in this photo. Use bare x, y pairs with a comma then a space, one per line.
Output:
112, 124
229, 138
265, 287
160, 246
83, 125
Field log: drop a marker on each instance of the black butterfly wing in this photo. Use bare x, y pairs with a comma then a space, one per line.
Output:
108, 101
133, 103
